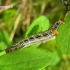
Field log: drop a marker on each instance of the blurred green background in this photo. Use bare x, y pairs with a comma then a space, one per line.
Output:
18, 21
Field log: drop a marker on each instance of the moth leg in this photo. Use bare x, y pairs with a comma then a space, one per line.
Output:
62, 22
16, 48
55, 32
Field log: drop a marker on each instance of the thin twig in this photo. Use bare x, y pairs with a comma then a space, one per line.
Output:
3, 8
67, 4
43, 7
15, 27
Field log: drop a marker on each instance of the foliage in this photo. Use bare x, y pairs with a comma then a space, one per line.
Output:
25, 59
4, 40
64, 36
52, 55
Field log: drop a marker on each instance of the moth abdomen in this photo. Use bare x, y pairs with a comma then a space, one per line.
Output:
11, 48
39, 36
45, 34
31, 38
56, 25
26, 40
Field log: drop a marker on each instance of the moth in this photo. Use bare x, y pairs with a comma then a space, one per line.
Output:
39, 37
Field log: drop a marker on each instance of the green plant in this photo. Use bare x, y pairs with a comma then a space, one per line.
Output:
37, 56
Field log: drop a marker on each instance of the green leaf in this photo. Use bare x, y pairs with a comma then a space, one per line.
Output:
8, 18
5, 42
2, 53
43, 69
51, 46
55, 58
25, 59
39, 25
3, 46
1, 38
8, 15
63, 38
